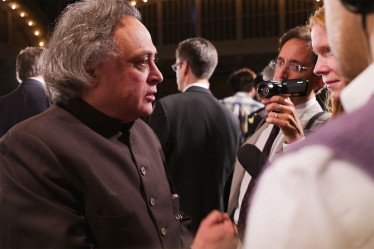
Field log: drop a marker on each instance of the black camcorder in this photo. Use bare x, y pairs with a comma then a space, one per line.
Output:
286, 88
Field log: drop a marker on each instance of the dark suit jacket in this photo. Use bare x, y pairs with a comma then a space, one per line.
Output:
27, 100
64, 185
200, 137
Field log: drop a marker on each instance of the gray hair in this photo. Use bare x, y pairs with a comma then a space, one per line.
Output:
267, 73
82, 39
200, 55
29, 63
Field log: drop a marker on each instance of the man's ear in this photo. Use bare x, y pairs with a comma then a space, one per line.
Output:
185, 67
91, 72
253, 90
93, 75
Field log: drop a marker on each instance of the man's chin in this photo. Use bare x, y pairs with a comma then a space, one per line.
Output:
146, 112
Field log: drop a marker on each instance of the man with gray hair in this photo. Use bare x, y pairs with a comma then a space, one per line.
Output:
88, 172
29, 98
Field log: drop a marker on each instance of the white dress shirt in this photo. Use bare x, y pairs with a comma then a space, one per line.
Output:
203, 85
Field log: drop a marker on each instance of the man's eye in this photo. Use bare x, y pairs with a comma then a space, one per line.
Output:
144, 63
293, 66
326, 52
279, 63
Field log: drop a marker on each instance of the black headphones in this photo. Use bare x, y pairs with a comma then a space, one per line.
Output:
359, 6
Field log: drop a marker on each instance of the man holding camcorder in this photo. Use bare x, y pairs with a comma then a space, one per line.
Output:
292, 107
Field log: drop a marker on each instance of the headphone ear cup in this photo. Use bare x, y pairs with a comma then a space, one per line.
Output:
359, 6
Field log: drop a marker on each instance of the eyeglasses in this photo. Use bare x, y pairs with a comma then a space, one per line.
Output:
175, 66
291, 66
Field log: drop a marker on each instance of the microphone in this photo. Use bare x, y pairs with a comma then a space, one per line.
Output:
252, 159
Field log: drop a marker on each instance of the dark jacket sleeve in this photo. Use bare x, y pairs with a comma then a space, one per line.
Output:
159, 122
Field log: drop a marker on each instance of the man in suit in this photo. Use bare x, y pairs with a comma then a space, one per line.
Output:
199, 135
30, 97
88, 172
295, 60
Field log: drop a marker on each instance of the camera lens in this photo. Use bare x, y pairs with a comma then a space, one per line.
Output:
263, 90
268, 89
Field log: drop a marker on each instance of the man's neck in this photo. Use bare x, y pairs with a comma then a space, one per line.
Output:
38, 78
301, 100
198, 82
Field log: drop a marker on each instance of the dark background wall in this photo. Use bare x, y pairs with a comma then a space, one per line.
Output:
245, 32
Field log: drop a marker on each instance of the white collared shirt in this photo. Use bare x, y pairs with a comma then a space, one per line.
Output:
40, 79
203, 85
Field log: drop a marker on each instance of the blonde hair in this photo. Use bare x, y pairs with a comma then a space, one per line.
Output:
318, 18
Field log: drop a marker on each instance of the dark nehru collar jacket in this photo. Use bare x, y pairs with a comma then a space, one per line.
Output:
73, 177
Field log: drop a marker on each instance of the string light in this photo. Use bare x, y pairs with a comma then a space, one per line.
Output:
134, 2
15, 5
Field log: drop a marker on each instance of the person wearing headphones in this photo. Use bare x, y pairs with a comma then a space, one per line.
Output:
321, 193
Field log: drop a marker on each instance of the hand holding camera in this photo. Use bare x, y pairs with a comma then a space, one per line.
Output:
282, 113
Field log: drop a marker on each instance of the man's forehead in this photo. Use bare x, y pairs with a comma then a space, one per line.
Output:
133, 36
296, 50
295, 44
